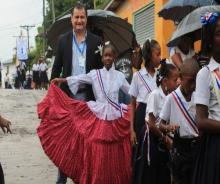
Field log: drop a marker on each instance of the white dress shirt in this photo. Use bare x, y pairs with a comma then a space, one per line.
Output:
138, 89
172, 114
112, 81
205, 94
36, 67
155, 103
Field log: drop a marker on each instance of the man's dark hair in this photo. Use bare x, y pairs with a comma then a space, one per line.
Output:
79, 6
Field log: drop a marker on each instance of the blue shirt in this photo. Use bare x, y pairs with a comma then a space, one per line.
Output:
79, 50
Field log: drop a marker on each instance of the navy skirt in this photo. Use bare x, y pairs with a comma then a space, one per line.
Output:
139, 119
36, 77
43, 77
158, 171
207, 167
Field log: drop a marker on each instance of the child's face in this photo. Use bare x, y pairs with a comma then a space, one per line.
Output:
156, 56
171, 81
136, 57
108, 57
188, 83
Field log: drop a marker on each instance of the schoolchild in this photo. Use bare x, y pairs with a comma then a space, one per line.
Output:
178, 117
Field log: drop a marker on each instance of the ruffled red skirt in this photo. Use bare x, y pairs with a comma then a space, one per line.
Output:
87, 149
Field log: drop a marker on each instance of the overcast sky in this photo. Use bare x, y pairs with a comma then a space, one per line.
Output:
13, 14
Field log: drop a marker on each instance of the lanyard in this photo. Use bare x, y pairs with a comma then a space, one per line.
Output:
77, 46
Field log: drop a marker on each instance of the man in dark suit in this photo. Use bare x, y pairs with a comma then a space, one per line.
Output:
76, 54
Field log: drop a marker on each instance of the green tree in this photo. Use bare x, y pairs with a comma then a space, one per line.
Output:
62, 7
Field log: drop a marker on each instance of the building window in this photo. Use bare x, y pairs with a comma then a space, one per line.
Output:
143, 21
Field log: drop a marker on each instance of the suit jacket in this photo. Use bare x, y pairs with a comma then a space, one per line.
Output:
63, 60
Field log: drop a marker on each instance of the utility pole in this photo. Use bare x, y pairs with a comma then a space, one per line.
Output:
15, 48
94, 4
53, 11
44, 28
27, 28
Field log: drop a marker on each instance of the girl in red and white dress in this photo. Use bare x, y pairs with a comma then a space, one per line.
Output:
89, 141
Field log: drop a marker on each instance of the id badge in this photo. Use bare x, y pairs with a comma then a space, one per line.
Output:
82, 61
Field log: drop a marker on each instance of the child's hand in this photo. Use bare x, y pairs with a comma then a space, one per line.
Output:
168, 142
5, 125
173, 127
58, 81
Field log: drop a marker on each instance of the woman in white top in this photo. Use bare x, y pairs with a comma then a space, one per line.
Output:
43, 74
155, 155
142, 84
95, 135
207, 100
36, 75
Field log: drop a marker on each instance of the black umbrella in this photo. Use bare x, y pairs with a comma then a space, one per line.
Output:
103, 23
176, 10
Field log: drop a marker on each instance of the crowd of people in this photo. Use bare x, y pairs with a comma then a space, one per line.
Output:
173, 122
40, 78
24, 79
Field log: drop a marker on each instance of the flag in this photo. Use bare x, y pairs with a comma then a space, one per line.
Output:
22, 49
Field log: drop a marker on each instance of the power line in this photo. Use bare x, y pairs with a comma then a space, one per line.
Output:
27, 28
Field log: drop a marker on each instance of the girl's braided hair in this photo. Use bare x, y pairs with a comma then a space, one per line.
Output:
164, 71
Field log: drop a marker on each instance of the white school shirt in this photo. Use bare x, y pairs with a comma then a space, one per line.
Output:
113, 80
138, 89
155, 103
43, 67
205, 94
173, 115
36, 67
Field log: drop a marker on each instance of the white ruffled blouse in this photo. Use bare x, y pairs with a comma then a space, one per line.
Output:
112, 81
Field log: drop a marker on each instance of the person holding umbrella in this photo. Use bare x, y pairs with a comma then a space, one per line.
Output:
76, 55
183, 50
